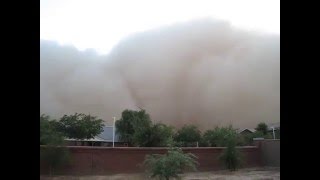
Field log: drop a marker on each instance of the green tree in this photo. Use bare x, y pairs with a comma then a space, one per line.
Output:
155, 136
262, 127
132, 125
80, 126
48, 131
161, 135
188, 135
170, 164
218, 137
44, 126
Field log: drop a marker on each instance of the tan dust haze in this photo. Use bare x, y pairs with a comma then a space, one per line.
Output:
203, 72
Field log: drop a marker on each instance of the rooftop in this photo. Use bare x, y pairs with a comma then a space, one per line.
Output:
105, 136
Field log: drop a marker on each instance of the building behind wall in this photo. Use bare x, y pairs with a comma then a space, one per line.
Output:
103, 139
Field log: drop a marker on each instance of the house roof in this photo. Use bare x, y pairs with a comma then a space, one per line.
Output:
241, 130
275, 125
95, 139
105, 136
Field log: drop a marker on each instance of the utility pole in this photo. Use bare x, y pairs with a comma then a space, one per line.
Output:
113, 128
274, 137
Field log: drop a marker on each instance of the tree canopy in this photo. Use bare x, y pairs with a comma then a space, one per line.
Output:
131, 122
80, 126
48, 133
137, 128
219, 136
187, 135
262, 127
157, 135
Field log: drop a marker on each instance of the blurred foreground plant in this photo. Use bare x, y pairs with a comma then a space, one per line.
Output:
171, 164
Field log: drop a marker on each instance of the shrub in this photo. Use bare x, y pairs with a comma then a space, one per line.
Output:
170, 164
231, 156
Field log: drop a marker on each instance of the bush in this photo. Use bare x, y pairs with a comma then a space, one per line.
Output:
231, 157
170, 164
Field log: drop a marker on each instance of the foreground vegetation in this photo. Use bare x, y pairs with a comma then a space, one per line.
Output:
171, 164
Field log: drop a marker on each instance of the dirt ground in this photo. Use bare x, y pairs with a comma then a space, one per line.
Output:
242, 174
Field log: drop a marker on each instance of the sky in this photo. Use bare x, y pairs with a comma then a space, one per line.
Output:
101, 24
208, 63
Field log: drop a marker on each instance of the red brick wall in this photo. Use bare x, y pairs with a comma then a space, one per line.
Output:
270, 151
104, 160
